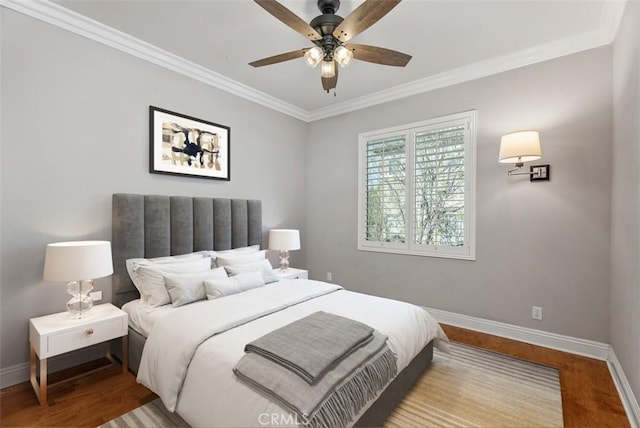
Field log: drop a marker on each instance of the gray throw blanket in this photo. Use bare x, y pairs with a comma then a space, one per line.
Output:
338, 397
311, 346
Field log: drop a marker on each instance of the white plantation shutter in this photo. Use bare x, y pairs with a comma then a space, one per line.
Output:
417, 188
386, 189
439, 191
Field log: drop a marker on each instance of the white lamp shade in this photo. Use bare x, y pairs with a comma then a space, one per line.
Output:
521, 146
77, 261
284, 239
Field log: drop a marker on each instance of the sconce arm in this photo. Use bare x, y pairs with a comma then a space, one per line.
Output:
519, 165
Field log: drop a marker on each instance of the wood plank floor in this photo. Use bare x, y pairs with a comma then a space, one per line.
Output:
589, 397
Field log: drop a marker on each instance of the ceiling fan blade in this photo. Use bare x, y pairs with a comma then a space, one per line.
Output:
379, 55
363, 17
279, 58
328, 83
289, 18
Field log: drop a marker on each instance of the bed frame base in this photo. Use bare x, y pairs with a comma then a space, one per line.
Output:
375, 416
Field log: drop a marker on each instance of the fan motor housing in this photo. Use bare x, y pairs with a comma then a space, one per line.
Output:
325, 24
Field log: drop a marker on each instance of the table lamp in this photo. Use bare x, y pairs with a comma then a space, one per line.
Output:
79, 262
284, 240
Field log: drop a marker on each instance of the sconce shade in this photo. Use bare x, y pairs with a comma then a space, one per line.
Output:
284, 239
519, 147
77, 261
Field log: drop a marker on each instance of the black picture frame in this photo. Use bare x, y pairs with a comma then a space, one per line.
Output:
188, 146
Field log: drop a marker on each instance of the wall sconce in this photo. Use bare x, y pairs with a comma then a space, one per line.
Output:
520, 147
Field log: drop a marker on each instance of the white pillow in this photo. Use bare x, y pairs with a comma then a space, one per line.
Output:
234, 251
264, 267
133, 264
152, 278
241, 259
224, 287
186, 288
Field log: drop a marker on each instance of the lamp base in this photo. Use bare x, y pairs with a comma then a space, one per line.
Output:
284, 260
79, 306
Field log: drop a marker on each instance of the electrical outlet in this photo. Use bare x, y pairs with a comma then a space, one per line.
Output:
96, 295
536, 313
329, 276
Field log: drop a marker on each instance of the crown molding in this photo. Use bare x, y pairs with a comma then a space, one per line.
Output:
610, 18
59, 16
541, 53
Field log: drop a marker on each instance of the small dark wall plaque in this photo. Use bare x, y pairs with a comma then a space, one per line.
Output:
539, 172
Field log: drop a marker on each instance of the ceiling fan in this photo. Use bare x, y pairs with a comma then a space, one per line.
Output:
329, 34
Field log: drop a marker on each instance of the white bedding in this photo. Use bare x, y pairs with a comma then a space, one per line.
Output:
199, 383
141, 319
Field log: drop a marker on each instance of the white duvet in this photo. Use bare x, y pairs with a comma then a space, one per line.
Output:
189, 355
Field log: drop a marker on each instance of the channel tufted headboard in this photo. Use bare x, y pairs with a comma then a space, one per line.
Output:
155, 226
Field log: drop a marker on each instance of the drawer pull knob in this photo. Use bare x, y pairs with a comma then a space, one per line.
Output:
88, 332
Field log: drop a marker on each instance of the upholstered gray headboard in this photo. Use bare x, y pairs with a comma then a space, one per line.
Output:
156, 226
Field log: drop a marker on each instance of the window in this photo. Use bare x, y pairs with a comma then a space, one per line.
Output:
417, 188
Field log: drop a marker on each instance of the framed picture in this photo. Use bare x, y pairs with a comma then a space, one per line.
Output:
184, 145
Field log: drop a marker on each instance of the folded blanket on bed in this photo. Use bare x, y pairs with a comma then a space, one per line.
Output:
312, 345
338, 397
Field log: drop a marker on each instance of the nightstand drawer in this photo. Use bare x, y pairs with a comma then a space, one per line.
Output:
292, 273
298, 276
85, 336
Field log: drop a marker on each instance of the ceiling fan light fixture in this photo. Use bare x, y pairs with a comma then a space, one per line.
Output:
343, 56
328, 69
313, 56
329, 33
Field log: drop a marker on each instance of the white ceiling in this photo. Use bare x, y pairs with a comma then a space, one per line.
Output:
445, 38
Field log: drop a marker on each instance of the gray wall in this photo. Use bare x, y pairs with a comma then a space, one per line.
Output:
624, 324
75, 130
543, 244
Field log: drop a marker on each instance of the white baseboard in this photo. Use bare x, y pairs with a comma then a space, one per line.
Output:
624, 390
14, 375
573, 345
19, 373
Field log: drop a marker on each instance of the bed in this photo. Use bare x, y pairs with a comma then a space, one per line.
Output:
155, 226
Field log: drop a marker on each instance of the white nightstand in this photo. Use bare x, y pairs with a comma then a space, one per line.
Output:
60, 333
292, 273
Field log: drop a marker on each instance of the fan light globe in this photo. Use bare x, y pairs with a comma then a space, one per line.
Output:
343, 56
328, 69
313, 56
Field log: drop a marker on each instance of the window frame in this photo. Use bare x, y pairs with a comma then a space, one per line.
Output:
409, 247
